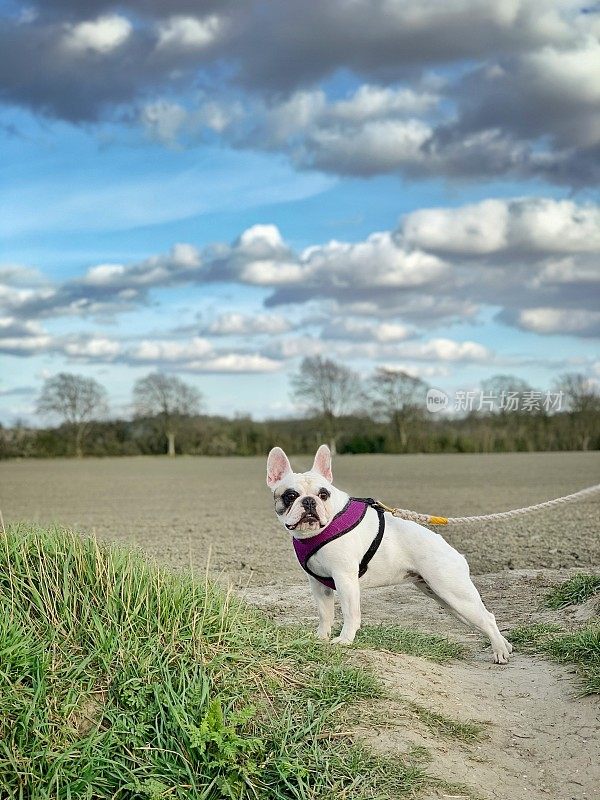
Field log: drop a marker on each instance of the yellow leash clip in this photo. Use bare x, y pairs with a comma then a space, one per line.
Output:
403, 513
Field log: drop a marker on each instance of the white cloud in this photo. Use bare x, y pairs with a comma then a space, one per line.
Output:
534, 224
440, 265
180, 263
577, 322
235, 363
442, 349
353, 329
171, 123
478, 228
519, 96
236, 324
11, 326
308, 116
170, 351
345, 343
289, 118
104, 274
163, 120
185, 255
421, 371
95, 349
391, 332
188, 33
532, 18
555, 226
20, 275
271, 273
294, 347
570, 72
26, 345
260, 257
11, 297
379, 261
260, 239
375, 129
568, 270
377, 146
215, 116
101, 35
374, 102
425, 308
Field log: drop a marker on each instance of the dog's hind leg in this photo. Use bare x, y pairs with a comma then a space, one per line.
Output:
325, 607
455, 591
424, 588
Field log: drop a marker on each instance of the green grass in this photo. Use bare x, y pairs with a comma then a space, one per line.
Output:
344, 684
576, 590
121, 680
580, 648
409, 641
445, 726
534, 637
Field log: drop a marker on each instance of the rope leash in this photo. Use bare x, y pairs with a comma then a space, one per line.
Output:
430, 519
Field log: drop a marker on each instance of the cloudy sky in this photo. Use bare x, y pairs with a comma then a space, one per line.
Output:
217, 189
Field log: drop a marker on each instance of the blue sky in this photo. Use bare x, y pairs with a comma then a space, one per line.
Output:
187, 189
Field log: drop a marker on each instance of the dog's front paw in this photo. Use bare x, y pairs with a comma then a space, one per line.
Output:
323, 634
502, 655
341, 639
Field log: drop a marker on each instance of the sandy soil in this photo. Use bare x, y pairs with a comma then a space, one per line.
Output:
179, 510
543, 741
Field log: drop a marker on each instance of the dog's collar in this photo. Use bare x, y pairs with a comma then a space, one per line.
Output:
346, 520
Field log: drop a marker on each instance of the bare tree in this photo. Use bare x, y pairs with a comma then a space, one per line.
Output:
168, 398
327, 389
500, 389
399, 398
583, 401
579, 392
77, 400
501, 412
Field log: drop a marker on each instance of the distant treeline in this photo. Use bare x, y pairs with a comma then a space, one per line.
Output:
219, 436
390, 412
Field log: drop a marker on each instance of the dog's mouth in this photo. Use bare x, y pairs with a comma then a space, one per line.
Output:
306, 519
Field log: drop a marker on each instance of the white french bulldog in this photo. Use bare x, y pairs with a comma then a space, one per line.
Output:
334, 535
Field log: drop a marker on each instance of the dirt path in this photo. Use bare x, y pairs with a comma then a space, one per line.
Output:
543, 741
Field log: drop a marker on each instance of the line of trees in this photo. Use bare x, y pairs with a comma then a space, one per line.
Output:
392, 409
384, 413
79, 401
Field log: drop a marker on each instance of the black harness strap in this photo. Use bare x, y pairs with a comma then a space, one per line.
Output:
374, 546
303, 558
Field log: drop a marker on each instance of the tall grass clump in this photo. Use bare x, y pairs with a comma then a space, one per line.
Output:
576, 590
121, 680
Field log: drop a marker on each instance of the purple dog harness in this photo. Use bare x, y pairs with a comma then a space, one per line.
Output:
349, 517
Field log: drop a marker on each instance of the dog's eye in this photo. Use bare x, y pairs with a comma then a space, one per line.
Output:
324, 494
289, 496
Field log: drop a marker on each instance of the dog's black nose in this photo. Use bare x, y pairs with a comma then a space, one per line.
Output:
309, 503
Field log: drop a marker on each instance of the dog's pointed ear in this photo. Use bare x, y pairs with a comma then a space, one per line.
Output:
322, 463
278, 466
